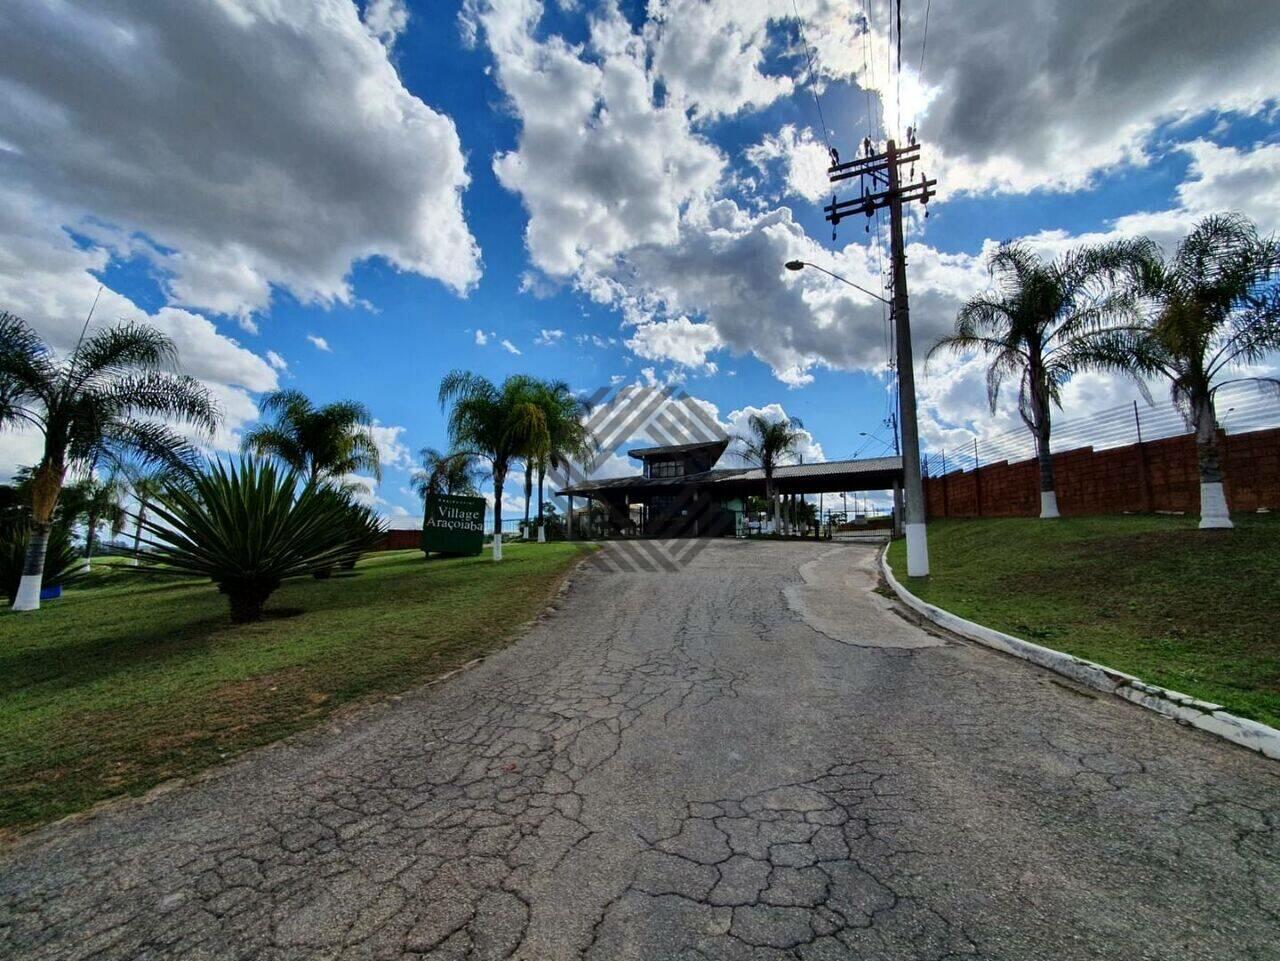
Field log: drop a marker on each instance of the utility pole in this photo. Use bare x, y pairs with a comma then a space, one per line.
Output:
884, 171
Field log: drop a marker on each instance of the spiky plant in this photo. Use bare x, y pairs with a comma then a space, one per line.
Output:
110, 401
246, 527
62, 564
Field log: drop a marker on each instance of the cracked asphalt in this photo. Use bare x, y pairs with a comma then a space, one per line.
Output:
739, 760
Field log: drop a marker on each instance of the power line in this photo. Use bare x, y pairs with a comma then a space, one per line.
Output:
813, 76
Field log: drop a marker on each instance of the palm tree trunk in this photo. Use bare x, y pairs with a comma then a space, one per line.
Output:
45, 487
499, 478
90, 537
137, 529
542, 526
1043, 428
528, 495
1213, 499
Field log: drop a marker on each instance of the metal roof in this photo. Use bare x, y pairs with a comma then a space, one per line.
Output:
722, 443
795, 476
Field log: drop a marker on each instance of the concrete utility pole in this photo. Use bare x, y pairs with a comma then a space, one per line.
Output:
884, 171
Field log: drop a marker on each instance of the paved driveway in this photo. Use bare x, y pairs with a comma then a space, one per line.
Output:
756, 757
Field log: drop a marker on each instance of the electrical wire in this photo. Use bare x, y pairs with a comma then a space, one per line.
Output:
813, 75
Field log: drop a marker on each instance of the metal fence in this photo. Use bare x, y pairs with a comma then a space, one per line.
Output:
1241, 407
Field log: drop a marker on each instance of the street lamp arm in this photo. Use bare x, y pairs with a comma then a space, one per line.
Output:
799, 264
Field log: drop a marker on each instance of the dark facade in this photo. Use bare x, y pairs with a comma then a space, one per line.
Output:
681, 493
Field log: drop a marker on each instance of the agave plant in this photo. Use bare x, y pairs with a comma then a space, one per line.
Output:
364, 528
247, 527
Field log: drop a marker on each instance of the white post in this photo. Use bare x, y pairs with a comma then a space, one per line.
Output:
497, 545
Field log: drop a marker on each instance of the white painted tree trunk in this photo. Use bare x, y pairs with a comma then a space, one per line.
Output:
497, 546
917, 550
542, 534
28, 596
1213, 506
1049, 504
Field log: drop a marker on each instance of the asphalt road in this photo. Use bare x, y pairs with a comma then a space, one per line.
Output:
754, 757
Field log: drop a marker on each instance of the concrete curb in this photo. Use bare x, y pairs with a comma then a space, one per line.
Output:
1181, 707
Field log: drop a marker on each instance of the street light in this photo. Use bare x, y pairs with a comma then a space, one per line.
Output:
802, 264
917, 546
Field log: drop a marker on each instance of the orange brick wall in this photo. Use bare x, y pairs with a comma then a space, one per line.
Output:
1159, 475
400, 541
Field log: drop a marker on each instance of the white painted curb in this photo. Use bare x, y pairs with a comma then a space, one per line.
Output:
1181, 707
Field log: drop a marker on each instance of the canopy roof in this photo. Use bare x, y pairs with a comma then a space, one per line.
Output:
875, 473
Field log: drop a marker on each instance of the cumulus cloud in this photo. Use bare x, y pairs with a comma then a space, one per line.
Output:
386, 19
237, 145
803, 161
276, 361
711, 56
50, 282
510, 348
679, 340
320, 343
481, 338
601, 164
548, 338
1042, 94
392, 451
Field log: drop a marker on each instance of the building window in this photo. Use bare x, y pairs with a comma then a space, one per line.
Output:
666, 468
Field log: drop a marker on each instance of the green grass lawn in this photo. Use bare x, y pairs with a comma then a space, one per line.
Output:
1192, 610
129, 680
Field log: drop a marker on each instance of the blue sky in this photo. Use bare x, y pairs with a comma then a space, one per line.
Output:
346, 198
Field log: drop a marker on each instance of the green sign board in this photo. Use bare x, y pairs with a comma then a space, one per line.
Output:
453, 525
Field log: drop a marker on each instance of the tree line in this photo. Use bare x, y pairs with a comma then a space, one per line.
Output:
1197, 318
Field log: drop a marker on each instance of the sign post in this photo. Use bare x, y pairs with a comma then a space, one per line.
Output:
453, 525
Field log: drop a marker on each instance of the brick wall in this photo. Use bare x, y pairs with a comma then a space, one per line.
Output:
400, 541
1159, 475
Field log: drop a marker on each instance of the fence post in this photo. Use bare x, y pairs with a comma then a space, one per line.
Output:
977, 480
946, 509
1143, 474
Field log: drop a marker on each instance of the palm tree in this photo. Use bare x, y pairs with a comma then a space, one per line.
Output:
1215, 307
1046, 321
101, 500
107, 402
766, 444
147, 485
451, 473
320, 443
499, 423
568, 437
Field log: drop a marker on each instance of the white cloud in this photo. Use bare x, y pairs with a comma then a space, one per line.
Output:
711, 55
276, 361
600, 165
510, 348
803, 159
392, 451
679, 340
320, 343
1042, 94
386, 19
255, 143
481, 338
548, 338
737, 424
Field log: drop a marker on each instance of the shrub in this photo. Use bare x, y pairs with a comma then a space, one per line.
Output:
247, 528
62, 564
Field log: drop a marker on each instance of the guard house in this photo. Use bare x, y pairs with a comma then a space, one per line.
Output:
682, 493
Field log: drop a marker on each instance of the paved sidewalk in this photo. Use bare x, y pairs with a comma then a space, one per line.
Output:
741, 760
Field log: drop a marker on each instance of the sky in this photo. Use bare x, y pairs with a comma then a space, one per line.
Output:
353, 198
